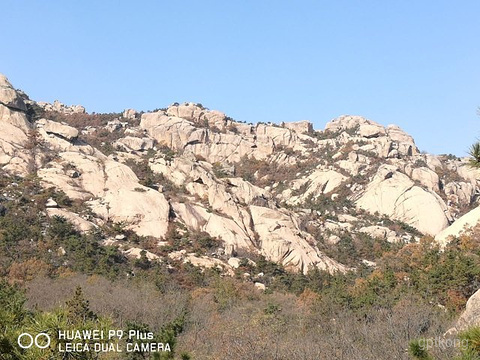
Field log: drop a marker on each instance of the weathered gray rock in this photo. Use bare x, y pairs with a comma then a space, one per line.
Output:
9, 97
51, 203
77, 221
282, 241
52, 127
301, 127
460, 225
115, 125
460, 193
394, 194
129, 114
136, 253
321, 181
132, 143
426, 177
386, 142
14, 131
380, 232
62, 108
378, 168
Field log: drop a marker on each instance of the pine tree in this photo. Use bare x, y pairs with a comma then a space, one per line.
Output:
78, 308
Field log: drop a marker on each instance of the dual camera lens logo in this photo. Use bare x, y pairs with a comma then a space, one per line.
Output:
26, 341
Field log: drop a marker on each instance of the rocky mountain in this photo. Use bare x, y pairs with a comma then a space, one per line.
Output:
284, 191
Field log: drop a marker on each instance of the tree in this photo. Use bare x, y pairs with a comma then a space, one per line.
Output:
78, 308
474, 153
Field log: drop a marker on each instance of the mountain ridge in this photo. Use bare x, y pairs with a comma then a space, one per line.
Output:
283, 191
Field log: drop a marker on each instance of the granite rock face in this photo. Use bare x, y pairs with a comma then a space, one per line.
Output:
395, 195
279, 191
52, 127
57, 106
9, 97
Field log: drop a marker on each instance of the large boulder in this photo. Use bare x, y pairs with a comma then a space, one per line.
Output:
301, 127
385, 142
346, 122
129, 114
14, 131
464, 223
460, 193
380, 232
281, 137
57, 106
320, 181
371, 130
404, 142
394, 194
146, 211
114, 190
468, 173
9, 97
132, 143
324, 181
80, 223
198, 114
174, 132
52, 127
426, 177
198, 218
183, 135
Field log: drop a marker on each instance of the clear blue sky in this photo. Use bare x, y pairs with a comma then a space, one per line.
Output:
412, 63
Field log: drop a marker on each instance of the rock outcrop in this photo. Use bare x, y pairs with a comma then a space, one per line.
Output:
264, 189
9, 97
283, 242
129, 113
61, 108
131, 143
301, 127
14, 132
80, 223
380, 232
461, 225
394, 194
206, 134
386, 142
63, 131
320, 181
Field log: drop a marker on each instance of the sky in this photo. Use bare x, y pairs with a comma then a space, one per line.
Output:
406, 62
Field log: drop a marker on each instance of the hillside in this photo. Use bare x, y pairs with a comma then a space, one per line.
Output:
274, 190
186, 187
